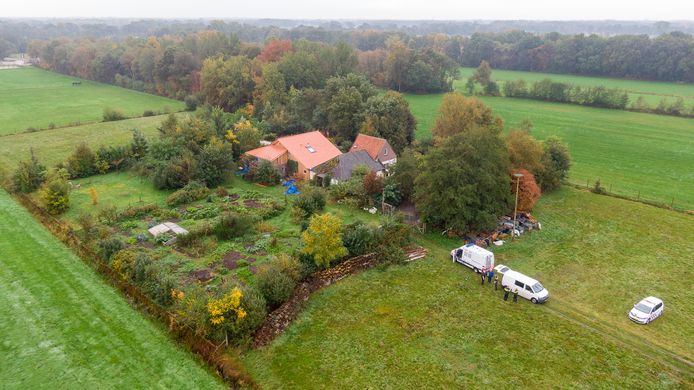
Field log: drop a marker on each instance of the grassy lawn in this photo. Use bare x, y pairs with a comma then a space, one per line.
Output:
118, 189
36, 98
430, 325
54, 146
651, 91
63, 327
634, 154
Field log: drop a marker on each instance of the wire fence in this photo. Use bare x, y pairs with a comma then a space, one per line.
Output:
636, 196
229, 368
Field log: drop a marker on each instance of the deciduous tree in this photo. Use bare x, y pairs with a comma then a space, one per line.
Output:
323, 239
458, 114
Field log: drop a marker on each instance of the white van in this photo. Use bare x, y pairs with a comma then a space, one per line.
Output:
473, 256
527, 287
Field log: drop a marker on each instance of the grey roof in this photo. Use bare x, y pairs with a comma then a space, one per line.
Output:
348, 161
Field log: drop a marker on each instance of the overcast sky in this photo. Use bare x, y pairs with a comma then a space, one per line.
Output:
358, 9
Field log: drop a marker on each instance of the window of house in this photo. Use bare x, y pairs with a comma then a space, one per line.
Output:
385, 151
310, 148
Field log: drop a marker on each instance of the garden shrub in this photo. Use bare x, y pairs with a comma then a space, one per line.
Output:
598, 188
123, 262
159, 285
115, 157
142, 263
138, 211
191, 192
253, 303
359, 238
87, 226
221, 192
82, 162
29, 175
288, 265
108, 215
232, 225
109, 246
113, 114
55, 195
266, 173
309, 202
275, 285
148, 113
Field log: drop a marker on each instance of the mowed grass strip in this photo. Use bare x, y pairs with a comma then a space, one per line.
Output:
651, 91
63, 327
31, 97
54, 146
430, 324
634, 154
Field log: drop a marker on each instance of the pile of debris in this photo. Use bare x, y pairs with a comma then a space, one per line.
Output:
524, 223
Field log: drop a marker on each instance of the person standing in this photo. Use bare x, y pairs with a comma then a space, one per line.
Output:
506, 291
490, 275
515, 295
496, 283
482, 277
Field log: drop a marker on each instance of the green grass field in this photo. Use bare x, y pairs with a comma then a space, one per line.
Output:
429, 324
54, 146
634, 154
63, 327
32, 97
651, 91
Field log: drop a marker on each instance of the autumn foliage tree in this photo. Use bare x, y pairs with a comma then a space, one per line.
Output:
323, 239
274, 50
373, 184
524, 151
458, 114
528, 190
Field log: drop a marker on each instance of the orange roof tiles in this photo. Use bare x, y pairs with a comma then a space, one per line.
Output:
372, 145
310, 149
269, 152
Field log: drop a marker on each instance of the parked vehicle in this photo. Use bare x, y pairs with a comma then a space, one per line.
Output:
527, 287
474, 257
647, 310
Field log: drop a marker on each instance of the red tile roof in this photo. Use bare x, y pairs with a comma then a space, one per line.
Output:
371, 144
310, 149
269, 152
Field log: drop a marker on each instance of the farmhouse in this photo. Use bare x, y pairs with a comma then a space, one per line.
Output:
378, 148
348, 161
300, 154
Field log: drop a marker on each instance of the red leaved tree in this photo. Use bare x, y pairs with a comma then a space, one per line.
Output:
528, 190
274, 50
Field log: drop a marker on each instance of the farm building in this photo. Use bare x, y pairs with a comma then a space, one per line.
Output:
300, 154
348, 161
378, 148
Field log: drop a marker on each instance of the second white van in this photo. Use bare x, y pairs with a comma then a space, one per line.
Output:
527, 287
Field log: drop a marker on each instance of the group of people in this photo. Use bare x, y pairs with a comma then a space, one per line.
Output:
489, 275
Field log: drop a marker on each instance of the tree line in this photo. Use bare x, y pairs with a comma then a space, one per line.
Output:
552, 91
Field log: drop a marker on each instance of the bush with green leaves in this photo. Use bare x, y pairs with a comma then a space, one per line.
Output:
266, 173
108, 247
309, 202
190, 193
275, 285
359, 238
55, 195
232, 225
82, 162
191, 102
113, 114
29, 175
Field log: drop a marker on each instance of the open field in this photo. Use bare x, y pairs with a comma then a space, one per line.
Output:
32, 97
651, 91
54, 146
634, 154
63, 327
430, 324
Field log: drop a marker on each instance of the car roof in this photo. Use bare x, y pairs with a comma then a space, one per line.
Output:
652, 300
520, 277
